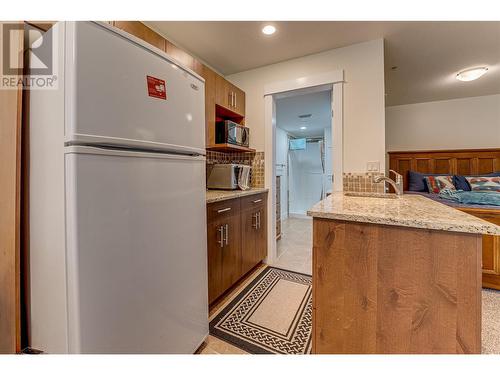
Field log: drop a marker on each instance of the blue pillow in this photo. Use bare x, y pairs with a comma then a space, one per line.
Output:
416, 180
461, 182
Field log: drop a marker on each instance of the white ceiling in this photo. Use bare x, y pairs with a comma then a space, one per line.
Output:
317, 104
427, 54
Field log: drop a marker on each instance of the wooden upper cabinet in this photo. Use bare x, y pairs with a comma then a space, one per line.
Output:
141, 31
239, 100
184, 58
229, 96
210, 82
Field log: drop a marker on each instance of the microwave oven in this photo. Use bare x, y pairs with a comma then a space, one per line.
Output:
230, 132
228, 176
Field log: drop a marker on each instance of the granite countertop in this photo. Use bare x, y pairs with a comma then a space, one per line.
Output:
409, 211
222, 195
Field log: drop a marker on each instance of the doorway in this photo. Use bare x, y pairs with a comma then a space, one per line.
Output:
303, 178
303, 172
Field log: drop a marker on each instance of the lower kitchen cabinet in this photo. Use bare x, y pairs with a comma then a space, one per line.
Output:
237, 240
253, 232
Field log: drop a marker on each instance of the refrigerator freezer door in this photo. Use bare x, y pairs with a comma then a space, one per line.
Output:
136, 252
120, 92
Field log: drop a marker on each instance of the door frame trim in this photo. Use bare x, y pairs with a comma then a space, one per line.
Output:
334, 81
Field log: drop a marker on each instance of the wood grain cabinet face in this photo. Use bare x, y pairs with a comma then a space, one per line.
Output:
237, 240
210, 82
224, 246
253, 232
229, 96
141, 31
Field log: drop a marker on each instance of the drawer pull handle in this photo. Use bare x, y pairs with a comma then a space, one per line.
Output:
257, 201
224, 210
221, 232
227, 234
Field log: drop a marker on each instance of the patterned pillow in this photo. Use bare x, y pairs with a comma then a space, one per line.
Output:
437, 183
484, 183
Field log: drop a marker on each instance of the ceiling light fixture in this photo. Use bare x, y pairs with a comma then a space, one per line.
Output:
303, 127
471, 74
269, 29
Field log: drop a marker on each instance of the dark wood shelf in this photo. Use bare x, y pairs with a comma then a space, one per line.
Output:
228, 147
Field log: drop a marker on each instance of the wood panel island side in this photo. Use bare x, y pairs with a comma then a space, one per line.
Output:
396, 276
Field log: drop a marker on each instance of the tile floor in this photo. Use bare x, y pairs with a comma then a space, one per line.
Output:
295, 245
295, 254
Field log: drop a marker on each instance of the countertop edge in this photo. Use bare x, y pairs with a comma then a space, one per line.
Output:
399, 223
233, 194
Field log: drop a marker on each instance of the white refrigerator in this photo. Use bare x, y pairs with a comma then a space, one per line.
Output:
117, 248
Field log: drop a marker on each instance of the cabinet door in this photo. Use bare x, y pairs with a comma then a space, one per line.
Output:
261, 238
222, 92
249, 225
210, 83
215, 249
224, 246
238, 101
231, 252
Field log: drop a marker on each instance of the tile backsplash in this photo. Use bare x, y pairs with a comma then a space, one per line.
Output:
254, 159
362, 182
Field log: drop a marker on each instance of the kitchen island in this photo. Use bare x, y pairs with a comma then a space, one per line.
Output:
396, 275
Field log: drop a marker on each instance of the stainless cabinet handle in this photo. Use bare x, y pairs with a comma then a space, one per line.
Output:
235, 99
256, 225
258, 220
227, 234
224, 210
257, 201
221, 232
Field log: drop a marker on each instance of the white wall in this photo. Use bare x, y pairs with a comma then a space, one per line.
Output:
281, 168
449, 124
364, 112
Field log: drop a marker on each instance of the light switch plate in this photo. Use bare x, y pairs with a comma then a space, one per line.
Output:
373, 166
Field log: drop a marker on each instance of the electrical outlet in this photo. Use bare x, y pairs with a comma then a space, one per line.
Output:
373, 166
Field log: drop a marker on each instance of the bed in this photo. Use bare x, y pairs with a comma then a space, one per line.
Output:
459, 162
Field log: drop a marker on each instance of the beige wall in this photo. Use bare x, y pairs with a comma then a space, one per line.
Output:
364, 114
448, 124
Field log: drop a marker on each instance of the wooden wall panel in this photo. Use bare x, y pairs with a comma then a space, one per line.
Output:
464, 162
464, 166
443, 165
423, 165
10, 190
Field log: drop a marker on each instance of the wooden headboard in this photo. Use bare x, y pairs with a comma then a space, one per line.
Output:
461, 162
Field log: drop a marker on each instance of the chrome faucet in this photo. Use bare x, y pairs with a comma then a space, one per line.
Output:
397, 185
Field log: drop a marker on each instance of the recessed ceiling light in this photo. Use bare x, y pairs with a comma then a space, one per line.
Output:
471, 74
269, 29
303, 127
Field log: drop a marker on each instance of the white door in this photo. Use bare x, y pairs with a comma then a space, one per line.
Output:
107, 81
136, 252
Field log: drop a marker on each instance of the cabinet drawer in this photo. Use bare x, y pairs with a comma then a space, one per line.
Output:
223, 209
254, 201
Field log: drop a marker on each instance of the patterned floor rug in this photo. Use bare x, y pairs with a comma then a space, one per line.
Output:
272, 315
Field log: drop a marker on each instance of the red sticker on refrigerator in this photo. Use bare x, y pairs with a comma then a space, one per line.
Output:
157, 88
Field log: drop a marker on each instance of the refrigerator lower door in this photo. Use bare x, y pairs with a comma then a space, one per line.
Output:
136, 252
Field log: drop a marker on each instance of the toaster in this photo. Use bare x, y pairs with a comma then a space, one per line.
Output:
226, 176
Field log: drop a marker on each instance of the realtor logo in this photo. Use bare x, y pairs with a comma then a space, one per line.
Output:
39, 54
